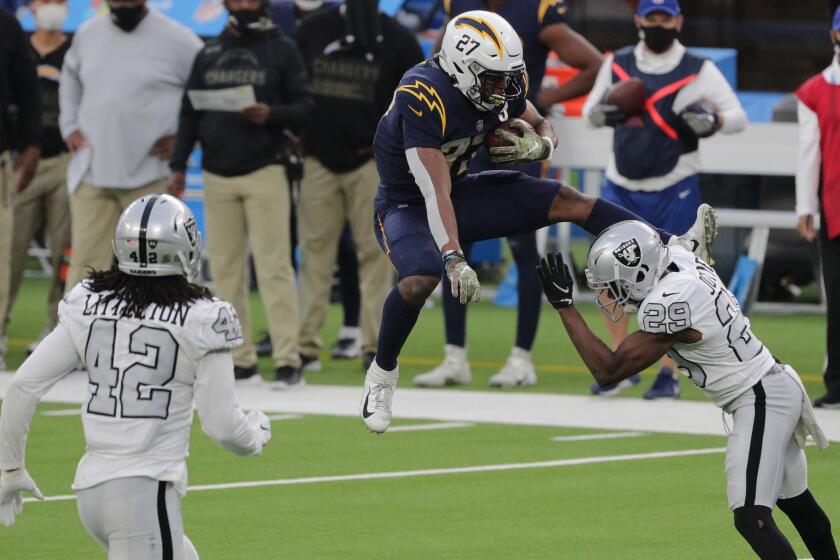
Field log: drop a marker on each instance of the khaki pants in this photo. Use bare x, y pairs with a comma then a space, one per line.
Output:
255, 209
95, 211
45, 204
7, 189
327, 201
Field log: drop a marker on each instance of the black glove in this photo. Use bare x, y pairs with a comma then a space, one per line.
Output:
604, 114
702, 122
557, 281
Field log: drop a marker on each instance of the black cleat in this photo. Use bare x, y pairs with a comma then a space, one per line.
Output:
289, 376
246, 374
829, 400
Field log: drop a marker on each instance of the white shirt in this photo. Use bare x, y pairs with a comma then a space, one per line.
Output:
144, 375
729, 359
809, 164
123, 92
710, 88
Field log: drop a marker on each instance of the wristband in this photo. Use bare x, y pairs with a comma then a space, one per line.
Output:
452, 254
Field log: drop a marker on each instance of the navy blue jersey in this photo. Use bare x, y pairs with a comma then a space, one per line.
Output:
427, 111
528, 18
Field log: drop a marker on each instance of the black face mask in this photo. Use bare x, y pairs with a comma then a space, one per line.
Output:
128, 18
659, 39
250, 21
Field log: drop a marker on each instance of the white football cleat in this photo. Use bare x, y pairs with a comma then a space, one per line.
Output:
375, 407
701, 236
349, 344
518, 371
455, 370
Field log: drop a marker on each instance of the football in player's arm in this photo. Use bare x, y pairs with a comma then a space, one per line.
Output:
430, 167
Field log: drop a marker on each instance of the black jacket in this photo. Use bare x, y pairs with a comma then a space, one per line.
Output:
18, 86
232, 144
352, 88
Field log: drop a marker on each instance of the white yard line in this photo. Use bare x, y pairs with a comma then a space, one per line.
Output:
437, 472
434, 426
63, 412
443, 405
587, 437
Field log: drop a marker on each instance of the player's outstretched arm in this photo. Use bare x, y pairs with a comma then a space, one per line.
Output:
637, 352
220, 415
54, 358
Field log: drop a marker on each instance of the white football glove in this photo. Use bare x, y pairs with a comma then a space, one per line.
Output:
702, 122
463, 279
12, 486
528, 147
260, 422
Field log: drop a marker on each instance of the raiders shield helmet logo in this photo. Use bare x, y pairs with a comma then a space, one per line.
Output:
628, 253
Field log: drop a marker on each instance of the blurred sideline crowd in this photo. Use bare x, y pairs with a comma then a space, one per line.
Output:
93, 121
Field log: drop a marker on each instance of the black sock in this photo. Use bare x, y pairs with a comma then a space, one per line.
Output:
348, 278
454, 316
398, 319
812, 523
529, 291
756, 525
604, 214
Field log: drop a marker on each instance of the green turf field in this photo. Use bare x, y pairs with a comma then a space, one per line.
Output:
605, 507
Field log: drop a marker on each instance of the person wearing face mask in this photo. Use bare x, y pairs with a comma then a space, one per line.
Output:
246, 192
818, 194
120, 92
44, 203
654, 167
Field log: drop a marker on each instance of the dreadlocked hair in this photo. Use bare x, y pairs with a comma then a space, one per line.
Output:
136, 293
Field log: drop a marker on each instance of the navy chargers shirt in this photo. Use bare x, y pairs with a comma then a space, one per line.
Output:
429, 112
528, 18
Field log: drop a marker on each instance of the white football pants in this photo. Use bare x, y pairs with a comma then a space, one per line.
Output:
136, 518
763, 461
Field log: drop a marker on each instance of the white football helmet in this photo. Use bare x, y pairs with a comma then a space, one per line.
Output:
483, 55
157, 236
624, 265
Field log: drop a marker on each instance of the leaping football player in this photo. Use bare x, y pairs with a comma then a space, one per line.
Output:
152, 343
685, 310
428, 204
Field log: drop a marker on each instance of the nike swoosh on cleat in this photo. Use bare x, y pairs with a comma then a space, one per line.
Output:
365, 413
669, 294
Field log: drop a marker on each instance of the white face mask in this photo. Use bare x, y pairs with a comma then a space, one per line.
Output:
50, 17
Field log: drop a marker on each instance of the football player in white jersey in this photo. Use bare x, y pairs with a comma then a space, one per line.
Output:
153, 343
685, 310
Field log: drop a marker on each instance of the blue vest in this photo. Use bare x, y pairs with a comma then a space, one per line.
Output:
653, 150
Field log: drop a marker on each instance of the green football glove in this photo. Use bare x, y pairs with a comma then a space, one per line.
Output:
526, 148
463, 279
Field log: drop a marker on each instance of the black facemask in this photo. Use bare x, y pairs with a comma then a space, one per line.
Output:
128, 18
659, 39
251, 21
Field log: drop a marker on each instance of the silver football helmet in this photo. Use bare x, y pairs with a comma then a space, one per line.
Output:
624, 265
157, 236
482, 54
